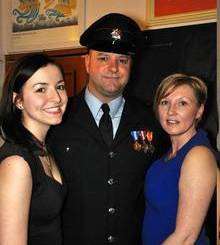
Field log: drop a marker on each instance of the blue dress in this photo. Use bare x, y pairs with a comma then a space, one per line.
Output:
161, 194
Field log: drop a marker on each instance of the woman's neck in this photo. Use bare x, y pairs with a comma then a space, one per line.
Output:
38, 132
177, 141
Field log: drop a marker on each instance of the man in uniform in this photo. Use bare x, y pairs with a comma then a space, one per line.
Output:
106, 142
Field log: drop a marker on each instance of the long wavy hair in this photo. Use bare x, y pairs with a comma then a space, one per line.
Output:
11, 127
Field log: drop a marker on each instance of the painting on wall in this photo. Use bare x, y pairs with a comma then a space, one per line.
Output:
45, 24
167, 12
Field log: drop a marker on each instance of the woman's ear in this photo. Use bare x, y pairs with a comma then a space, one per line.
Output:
17, 101
200, 112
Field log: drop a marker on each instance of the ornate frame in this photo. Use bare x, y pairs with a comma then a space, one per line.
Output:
173, 15
47, 38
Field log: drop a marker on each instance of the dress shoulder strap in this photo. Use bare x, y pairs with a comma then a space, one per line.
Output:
9, 149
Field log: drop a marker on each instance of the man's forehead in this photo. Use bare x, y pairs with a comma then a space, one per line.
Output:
99, 53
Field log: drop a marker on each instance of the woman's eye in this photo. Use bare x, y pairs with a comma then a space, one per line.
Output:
40, 90
182, 103
61, 87
163, 102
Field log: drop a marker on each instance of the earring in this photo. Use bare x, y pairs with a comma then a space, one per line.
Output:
20, 107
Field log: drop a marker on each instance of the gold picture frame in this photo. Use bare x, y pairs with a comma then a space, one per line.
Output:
65, 34
181, 18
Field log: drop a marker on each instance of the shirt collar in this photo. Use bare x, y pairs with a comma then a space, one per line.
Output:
95, 104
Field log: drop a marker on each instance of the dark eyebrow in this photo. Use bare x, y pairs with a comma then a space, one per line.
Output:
124, 56
61, 81
99, 54
46, 84
40, 83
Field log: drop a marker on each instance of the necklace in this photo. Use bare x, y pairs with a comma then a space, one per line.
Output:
42, 148
47, 163
45, 156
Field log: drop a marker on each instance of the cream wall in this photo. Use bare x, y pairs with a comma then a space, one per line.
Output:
97, 8
4, 29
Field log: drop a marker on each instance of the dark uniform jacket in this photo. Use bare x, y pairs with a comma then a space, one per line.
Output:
105, 201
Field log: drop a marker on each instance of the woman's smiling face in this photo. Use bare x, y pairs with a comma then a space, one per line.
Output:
43, 99
179, 111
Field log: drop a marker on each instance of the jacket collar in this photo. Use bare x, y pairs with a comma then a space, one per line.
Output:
83, 116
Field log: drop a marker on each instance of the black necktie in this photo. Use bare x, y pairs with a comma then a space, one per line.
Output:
105, 125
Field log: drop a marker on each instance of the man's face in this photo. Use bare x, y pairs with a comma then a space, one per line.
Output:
108, 74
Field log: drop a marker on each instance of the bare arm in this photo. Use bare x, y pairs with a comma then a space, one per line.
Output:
196, 186
15, 195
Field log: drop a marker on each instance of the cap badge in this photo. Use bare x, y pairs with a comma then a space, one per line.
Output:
116, 35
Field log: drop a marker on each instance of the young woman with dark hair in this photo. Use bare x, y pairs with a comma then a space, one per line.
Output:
31, 186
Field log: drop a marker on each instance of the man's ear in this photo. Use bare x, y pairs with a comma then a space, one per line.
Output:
87, 62
17, 101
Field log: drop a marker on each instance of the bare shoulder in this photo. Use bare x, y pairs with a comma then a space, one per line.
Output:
14, 167
200, 158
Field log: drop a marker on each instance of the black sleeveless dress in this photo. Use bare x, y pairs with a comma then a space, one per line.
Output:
46, 201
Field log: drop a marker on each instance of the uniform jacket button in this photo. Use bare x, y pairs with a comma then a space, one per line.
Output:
111, 154
111, 239
111, 210
110, 181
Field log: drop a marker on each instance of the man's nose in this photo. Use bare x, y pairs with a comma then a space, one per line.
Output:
113, 65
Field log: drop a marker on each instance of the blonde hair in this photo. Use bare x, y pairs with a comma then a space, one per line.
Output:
170, 83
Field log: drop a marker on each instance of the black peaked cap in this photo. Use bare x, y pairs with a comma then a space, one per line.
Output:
115, 33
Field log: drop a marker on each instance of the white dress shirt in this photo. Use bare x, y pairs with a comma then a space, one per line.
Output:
116, 107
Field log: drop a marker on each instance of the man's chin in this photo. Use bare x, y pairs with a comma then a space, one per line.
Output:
113, 95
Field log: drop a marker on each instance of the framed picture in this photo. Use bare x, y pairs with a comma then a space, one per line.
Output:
44, 25
167, 12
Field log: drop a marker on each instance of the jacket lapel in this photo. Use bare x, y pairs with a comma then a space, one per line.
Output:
127, 123
84, 118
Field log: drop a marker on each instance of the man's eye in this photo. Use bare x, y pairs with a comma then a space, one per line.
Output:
123, 61
61, 87
40, 90
103, 58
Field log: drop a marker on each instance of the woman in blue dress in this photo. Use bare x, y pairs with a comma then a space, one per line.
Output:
180, 185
